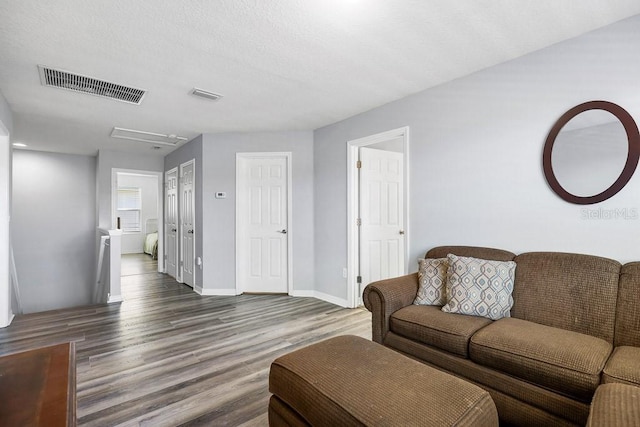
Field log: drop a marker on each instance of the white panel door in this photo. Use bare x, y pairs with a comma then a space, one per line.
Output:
171, 221
187, 222
381, 214
262, 225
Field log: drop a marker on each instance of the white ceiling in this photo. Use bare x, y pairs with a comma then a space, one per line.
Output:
280, 64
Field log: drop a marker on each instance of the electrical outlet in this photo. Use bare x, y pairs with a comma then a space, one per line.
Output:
344, 272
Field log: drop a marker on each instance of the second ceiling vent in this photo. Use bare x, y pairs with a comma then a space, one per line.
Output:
89, 85
206, 94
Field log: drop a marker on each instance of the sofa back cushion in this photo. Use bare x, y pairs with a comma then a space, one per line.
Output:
628, 309
471, 251
570, 291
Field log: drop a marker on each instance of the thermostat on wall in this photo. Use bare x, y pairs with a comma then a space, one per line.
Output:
221, 195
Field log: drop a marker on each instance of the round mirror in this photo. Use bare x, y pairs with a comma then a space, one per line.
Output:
591, 152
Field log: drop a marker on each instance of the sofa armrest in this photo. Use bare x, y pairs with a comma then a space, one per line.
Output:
385, 297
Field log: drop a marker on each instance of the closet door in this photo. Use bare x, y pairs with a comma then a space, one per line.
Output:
171, 221
187, 222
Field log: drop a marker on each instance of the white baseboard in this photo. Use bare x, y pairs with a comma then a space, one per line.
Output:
114, 298
9, 320
214, 292
321, 296
296, 293
342, 302
303, 294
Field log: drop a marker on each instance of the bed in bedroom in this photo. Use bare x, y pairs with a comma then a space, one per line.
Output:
151, 238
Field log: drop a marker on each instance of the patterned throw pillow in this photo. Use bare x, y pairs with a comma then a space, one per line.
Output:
479, 287
432, 276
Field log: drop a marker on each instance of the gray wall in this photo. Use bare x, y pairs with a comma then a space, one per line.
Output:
476, 157
108, 160
53, 228
219, 152
189, 151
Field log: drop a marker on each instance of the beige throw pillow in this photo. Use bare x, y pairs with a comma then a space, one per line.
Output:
479, 287
432, 276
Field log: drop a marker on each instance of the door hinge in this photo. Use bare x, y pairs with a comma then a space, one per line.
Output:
359, 164
181, 263
359, 279
358, 222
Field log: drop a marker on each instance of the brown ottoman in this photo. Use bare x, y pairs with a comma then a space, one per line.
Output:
616, 405
351, 381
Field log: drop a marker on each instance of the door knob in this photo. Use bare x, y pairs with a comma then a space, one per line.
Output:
173, 230
401, 232
190, 231
282, 231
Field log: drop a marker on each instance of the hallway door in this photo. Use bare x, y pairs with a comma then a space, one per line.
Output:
381, 212
377, 209
171, 222
262, 229
187, 222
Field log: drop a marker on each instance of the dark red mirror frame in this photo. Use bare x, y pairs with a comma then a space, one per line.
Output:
633, 154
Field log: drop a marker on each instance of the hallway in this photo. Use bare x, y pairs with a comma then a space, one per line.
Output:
167, 356
134, 264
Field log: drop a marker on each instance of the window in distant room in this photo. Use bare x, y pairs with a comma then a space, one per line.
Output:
129, 206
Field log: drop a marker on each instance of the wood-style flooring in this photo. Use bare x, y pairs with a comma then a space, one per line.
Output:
167, 356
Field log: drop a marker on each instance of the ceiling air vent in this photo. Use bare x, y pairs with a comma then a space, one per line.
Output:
149, 137
206, 94
89, 85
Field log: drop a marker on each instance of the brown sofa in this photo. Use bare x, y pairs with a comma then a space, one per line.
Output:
575, 324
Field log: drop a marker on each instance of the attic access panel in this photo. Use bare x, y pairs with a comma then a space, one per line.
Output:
148, 137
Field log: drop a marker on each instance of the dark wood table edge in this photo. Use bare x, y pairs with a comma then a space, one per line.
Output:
71, 386
71, 393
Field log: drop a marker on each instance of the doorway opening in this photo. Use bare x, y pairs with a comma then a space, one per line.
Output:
137, 211
377, 210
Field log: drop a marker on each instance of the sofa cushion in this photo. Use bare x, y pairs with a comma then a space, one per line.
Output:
615, 405
623, 366
430, 325
570, 291
432, 276
561, 360
479, 287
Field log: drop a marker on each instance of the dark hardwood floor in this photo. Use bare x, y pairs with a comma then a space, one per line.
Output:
169, 357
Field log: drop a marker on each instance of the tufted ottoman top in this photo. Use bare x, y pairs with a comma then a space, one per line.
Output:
351, 381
